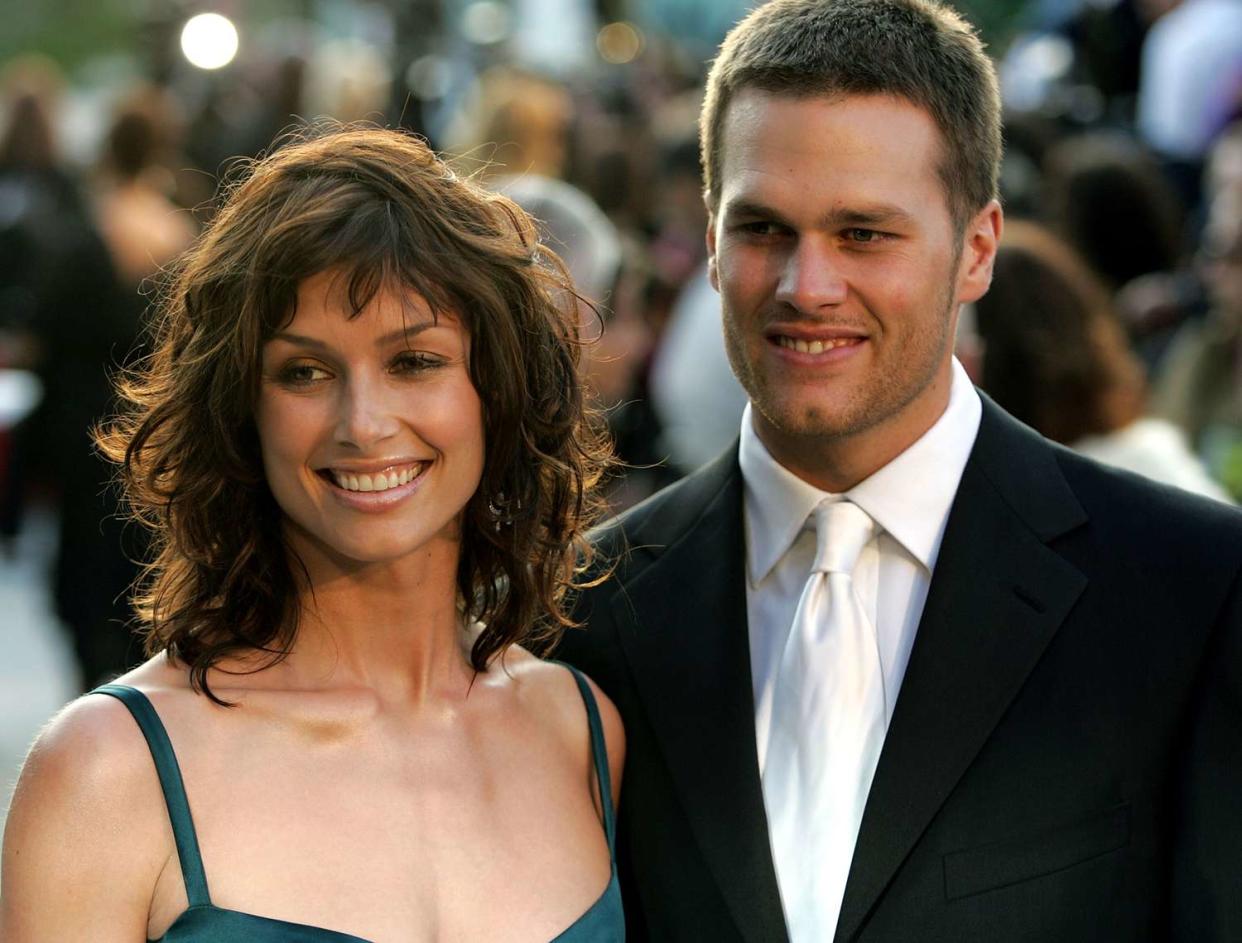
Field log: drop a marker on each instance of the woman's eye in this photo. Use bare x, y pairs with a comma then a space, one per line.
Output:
413, 361
302, 374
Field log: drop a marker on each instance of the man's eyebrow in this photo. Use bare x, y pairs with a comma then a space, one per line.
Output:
871, 214
315, 344
752, 209
877, 214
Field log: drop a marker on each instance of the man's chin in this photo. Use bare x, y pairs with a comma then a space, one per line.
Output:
809, 420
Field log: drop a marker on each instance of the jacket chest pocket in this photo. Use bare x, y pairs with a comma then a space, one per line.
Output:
1034, 855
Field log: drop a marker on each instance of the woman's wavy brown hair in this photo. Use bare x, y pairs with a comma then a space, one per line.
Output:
381, 208
1054, 352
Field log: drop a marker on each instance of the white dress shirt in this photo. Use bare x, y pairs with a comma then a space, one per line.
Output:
909, 499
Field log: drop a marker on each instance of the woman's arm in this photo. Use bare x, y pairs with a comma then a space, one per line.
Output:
87, 835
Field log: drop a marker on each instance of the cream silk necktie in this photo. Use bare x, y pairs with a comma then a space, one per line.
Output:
828, 726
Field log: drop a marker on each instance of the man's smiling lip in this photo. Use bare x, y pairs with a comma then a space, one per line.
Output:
811, 344
813, 332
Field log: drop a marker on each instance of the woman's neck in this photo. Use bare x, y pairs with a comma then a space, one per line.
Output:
395, 627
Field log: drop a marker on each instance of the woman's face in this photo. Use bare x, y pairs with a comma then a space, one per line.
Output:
370, 428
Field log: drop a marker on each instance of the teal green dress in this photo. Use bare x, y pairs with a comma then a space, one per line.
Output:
203, 922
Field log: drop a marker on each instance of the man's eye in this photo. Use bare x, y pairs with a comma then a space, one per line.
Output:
858, 234
762, 228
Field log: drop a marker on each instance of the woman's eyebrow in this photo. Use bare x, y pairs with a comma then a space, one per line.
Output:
315, 343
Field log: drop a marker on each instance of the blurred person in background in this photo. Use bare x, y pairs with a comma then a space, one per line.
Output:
142, 225
364, 453
1224, 169
62, 290
1055, 356
616, 157
608, 275
1107, 197
693, 389
1200, 384
41, 223
1078, 59
98, 555
676, 216
518, 124
1190, 85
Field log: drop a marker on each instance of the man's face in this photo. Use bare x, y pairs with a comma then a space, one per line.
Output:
840, 275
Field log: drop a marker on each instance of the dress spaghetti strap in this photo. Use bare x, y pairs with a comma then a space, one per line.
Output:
174, 789
599, 754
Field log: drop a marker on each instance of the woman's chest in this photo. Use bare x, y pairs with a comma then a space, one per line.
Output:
395, 838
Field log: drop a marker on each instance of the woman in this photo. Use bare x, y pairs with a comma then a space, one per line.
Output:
1056, 357
362, 449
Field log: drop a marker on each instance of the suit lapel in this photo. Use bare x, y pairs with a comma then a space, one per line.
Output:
998, 595
682, 624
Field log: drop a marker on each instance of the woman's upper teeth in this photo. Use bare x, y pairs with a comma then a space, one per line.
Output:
376, 481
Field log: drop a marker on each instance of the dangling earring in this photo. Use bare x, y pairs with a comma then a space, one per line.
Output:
497, 507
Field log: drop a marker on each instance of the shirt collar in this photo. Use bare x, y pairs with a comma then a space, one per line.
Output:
909, 498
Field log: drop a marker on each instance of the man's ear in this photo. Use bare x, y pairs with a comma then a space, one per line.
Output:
712, 275
982, 236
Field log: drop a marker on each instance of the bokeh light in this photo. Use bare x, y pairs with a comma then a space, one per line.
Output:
429, 77
619, 43
209, 40
486, 22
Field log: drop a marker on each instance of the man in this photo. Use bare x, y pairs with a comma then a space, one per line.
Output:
1012, 709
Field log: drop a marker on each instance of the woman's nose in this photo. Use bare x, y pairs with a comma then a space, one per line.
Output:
367, 413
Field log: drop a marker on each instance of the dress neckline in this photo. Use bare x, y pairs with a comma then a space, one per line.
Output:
186, 837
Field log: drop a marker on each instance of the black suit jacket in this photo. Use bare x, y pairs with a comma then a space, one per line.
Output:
1064, 762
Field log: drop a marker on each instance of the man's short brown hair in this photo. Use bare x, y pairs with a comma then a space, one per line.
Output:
912, 49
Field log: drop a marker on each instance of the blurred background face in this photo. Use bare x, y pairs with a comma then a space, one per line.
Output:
1222, 255
371, 429
616, 348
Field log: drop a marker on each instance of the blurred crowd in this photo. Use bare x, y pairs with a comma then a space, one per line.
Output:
1114, 325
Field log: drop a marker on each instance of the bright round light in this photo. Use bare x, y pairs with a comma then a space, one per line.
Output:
485, 22
209, 40
429, 77
619, 43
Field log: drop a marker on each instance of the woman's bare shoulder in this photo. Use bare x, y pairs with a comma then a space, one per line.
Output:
87, 816
91, 760
554, 685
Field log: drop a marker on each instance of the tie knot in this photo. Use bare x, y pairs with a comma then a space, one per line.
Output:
842, 529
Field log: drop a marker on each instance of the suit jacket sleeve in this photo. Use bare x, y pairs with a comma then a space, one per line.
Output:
1207, 876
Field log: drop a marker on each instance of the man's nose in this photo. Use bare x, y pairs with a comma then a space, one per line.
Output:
367, 413
811, 278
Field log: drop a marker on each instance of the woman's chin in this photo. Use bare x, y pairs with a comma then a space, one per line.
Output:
329, 556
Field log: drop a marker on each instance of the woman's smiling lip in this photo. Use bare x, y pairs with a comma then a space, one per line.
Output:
374, 486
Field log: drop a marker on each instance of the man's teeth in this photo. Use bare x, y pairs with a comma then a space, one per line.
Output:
815, 347
380, 481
